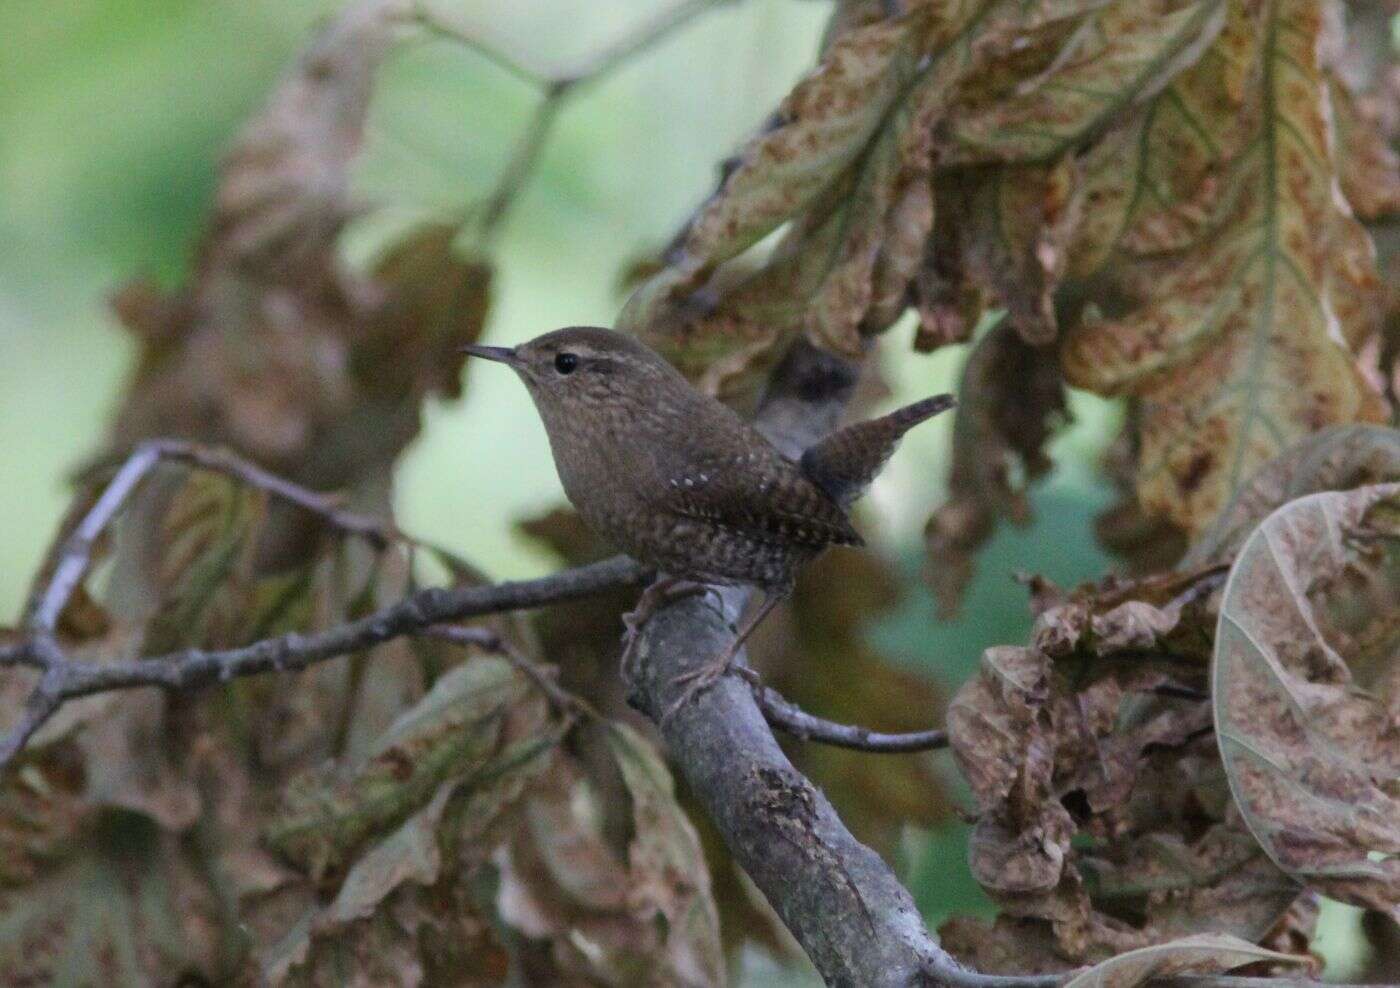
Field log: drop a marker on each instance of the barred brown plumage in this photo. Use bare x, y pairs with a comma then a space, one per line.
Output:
679, 481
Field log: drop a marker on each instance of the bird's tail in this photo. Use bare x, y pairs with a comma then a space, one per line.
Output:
845, 462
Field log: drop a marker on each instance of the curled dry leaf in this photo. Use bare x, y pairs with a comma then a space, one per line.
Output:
1011, 227
1241, 347
844, 166
1207, 953
1087, 753
1061, 85
1177, 880
1306, 691
1011, 398
846, 163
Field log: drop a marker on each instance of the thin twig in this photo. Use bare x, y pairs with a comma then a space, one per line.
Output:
555, 90
39, 706
378, 532
76, 554
193, 668
787, 716
522, 165
430, 22
639, 39
15, 654
484, 638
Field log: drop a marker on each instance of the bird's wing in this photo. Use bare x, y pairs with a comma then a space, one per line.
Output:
758, 493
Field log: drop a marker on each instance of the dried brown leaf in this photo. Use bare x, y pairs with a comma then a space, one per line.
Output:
846, 163
1240, 348
1103, 816
462, 729
1115, 60
1011, 398
1335, 459
818, 131
1221, 881
275, 347
641, 917
1305, 691
1012, 227
1206, 953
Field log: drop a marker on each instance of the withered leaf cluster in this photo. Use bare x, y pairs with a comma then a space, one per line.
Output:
1189, 203
1203, 751
1167, 198
413, 814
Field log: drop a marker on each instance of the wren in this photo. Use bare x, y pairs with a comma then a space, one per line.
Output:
680, 482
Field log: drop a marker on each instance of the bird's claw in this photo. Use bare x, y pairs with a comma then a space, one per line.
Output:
698, 680
664, 591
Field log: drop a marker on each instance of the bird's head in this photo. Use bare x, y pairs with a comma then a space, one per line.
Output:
582, 365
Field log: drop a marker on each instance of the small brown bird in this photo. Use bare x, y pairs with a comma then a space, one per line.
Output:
678, 481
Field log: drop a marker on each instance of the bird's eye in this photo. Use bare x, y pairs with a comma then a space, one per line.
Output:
565, 363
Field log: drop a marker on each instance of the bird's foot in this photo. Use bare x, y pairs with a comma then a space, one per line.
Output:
698, 680
657, 595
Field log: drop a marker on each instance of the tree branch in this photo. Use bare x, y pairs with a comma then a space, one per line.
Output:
64, 679
75, 555
840, 900
543, 677
789, 718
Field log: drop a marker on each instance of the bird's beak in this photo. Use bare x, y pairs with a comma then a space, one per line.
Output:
500, 354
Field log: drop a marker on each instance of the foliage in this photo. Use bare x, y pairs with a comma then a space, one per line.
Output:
1186, 203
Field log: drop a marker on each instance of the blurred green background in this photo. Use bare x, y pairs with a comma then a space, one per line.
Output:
113, 114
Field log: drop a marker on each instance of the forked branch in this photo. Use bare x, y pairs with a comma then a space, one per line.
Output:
555, 90
64, 678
